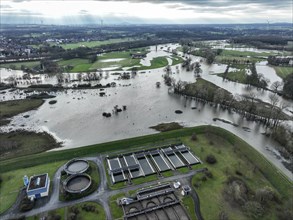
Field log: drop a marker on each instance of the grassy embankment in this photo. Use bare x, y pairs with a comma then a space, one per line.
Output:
283, 71
245, 157
65, 213
12, 181
20, 143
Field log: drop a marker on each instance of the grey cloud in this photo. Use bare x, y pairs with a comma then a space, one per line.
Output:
217, 3
5, 6
17, 1
83, 12
18, 14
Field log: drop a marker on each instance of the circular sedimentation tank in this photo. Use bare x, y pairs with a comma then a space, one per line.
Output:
76, 166
77, 183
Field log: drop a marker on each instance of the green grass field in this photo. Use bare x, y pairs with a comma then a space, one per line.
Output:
141, 180
201, 84
12, 181
235, 53
17, 65
11, 108
232, 155
176, 60
283, 71
116, 210
21, 143
79, 65
15, 144
63, 213
126, 62
157, 62
83, 65
237, 76
228, 56
188, 203
94, 43
230, 59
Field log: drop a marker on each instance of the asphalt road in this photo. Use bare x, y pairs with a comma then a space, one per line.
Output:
100, 196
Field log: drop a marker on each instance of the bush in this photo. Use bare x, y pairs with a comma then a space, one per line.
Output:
89, 208
238, 173
72, 216
41, 86
265, 195
20, 218
208, 174
285, 214
236, 191
204, 178
253, 210
194, 137
196, 185
211, 159
26, 204
74, 210
223, 216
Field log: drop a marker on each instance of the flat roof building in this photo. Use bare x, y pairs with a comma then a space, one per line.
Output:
38, 186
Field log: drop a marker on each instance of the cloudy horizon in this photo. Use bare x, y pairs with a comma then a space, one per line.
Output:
145, 12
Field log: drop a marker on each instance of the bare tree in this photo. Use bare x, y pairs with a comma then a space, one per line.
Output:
276, 85
168, 69
79, 76
197, 69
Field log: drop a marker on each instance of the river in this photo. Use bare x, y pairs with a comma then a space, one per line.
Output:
76, 118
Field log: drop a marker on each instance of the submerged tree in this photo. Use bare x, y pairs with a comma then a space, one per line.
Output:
197, 69
288, 86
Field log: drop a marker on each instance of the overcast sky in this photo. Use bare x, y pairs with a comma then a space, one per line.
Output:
145, 12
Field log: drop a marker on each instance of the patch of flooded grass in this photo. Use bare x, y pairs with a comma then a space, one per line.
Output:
167, 126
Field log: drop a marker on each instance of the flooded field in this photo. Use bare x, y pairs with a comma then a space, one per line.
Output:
77, 120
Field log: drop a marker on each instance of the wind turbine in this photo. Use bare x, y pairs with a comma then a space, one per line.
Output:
268, 24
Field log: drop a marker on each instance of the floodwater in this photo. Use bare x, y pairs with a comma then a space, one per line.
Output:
112, 60
223, 44
76, 118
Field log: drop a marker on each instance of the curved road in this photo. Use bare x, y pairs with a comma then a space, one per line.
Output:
100, 196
